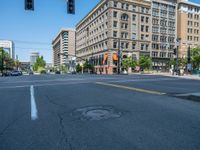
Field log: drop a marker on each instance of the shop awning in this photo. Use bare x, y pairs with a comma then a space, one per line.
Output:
115, 57
105, 58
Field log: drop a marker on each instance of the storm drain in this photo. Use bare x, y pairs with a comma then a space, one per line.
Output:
96, 113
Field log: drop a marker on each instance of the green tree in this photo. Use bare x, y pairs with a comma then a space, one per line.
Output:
78, 68
8, 62
39, 64
196, 57
87, 66
145, 62
63, 68
182, 62
129, 63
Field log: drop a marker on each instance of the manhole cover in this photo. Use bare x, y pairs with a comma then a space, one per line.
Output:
96, 113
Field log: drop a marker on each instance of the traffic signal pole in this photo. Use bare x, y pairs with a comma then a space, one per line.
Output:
2, 60
177, 55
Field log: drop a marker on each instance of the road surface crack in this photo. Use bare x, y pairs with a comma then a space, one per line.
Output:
11, 124
63, 132
54, 103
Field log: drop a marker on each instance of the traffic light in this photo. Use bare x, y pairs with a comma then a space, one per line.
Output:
71, 6
29, 4
175, 51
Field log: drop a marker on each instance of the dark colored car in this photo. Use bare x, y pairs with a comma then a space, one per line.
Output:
16, 73
57, 72
30, 72
6, 74
73, 72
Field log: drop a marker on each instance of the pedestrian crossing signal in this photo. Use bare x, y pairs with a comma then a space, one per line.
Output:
71, 6
29, 5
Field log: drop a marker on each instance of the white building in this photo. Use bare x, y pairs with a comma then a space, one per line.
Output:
8, 46
64, 44
33, 58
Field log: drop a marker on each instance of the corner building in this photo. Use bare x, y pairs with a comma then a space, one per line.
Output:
110, 23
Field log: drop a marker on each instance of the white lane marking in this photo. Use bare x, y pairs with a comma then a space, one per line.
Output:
34, 112
55, 80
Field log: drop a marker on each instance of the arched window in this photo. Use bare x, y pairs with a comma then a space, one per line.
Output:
124, 17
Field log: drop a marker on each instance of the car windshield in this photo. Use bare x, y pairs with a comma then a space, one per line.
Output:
100, 75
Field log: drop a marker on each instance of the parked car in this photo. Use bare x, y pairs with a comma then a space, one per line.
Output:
73, 72
6, 74
43, 72
30, 73
16, 73
57, 72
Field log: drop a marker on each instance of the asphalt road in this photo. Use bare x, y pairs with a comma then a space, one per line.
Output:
98, 112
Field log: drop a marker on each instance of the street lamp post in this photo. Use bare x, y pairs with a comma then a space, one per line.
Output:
119, 57
177, 55
189, 66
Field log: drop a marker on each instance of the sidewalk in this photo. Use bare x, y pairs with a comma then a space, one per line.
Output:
192, 77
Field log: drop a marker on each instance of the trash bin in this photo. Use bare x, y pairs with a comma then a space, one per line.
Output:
196, 71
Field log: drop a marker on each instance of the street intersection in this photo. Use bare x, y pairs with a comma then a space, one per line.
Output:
99, 112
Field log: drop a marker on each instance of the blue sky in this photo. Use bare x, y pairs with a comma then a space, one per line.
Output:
41, 26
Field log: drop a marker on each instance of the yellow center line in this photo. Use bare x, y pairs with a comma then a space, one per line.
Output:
131, 88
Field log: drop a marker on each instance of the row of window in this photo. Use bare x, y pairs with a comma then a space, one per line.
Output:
163, 22
125, 45
125, 17
133, 8
94, 16
194, 9
163, 13
96, 47
190, 31
162, 46
191, 23
163, 38
190, 16
163, 30
162, 54
191, 38
162, 6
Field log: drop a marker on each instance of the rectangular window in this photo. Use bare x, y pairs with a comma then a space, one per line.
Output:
115, 24
133, 46
115, 4
114, 33
142, 18
142, 37
114, 44
142, 28
147, 28
133, 36
142, 46
115, 14
134, 17
147, 19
